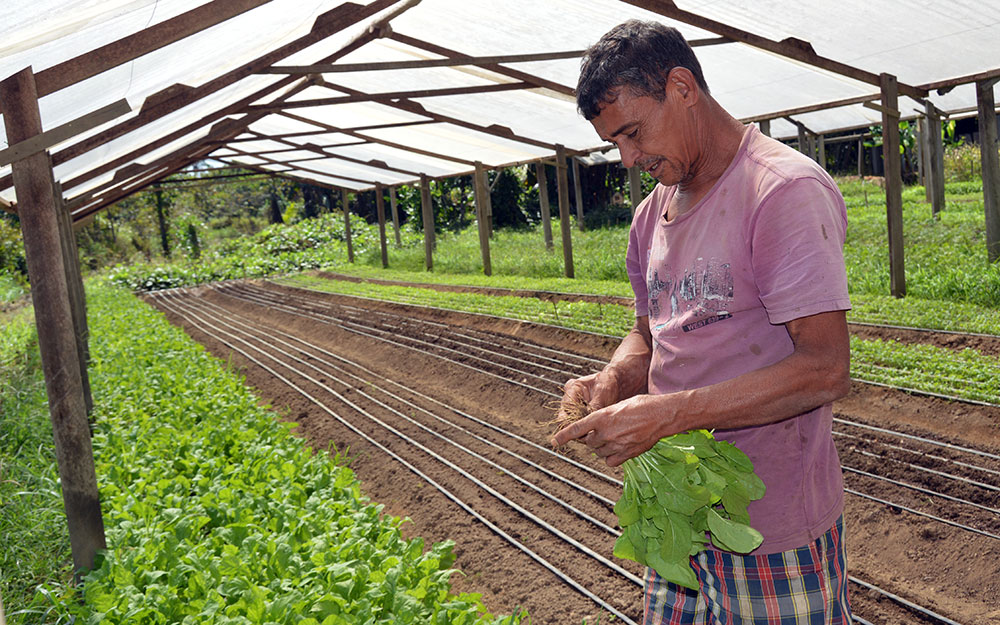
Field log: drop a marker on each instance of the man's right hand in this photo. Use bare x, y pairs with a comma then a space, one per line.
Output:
594, 391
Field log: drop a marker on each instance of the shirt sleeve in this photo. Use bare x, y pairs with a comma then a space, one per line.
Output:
797, 250
637, 273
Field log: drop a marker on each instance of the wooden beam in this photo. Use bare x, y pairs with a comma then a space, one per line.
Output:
373, 139
493, 67
481, 191
418, 109
562, 177
791, 47
578, 194
934, 172
950, 83
177, 97
394, 209
893, 184
53, 317
380, 213
427, 215
990, 166
387, 96
64, 132
137, 44
635, 187
329, 68
543, 200
345, 200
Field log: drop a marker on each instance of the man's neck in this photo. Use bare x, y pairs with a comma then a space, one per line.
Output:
719, 137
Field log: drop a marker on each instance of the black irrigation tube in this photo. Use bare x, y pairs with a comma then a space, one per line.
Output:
921, 454
928, 441
263, 299
923, 514
887, 326
463, 334
552, 568
482, 422
921, 489
896, 598
438, 435
916, 391
908, 604
942, 474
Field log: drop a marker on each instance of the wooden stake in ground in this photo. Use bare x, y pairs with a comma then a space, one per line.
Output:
56, 338
893, 184
562, 177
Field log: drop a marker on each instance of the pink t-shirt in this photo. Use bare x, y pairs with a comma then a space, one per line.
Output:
764, 247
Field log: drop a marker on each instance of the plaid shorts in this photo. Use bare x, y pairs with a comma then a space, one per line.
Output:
799, 586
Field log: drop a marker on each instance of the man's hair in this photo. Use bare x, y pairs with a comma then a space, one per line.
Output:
635, 55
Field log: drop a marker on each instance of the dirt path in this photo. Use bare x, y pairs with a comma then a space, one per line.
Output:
924, 561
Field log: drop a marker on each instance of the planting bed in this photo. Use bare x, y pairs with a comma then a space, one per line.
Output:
409, 392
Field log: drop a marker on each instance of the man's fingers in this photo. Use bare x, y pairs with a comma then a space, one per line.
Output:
572, 431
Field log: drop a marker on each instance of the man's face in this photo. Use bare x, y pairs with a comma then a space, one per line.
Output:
647, 133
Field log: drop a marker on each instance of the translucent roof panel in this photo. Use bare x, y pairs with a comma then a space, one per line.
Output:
387, 142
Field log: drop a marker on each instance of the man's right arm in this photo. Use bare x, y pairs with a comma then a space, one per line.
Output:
625, 375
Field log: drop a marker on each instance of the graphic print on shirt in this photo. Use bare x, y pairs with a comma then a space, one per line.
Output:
698, 296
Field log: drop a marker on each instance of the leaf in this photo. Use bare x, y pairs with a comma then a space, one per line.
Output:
732, 536
627, 510
677, 572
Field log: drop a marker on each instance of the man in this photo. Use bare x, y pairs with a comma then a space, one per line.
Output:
736, 260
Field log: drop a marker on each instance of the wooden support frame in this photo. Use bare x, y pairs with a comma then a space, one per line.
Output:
427, 214
634, 187
562, 177
791, 47
481, 191
990, 165
893, 184
934, 159
544, 204
64, 132
395, 215
57, 342
578, 194
329, 68
346, 204
380, 213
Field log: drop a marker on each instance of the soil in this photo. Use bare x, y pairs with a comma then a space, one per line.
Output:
944, 568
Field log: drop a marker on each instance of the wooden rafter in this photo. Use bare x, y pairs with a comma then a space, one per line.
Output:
387, 96
791, 47
143, 42
316, 171
421, 63
418, 109
371, 139
64, 132
177, 97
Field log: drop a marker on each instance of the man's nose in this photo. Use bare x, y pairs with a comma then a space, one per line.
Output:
630, 155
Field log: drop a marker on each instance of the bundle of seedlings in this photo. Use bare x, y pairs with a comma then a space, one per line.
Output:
686, 488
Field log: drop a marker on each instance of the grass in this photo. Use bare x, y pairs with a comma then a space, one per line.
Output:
32, 523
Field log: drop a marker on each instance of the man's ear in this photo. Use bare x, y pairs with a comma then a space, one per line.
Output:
682, 82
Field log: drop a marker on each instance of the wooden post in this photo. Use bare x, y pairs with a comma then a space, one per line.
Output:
56, 341
990, 165
345, 202
921, 147
635, 187
395, 215
562, 177
861, 158
481, 191
380, 210
77, 296
803, 140
543, 200
821, 150
578, 191
765, 127
427, 212
893, 183
934, 171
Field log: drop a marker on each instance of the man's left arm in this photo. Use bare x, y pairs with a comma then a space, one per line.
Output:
817, 372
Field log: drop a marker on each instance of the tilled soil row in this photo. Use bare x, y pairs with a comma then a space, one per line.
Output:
908, 556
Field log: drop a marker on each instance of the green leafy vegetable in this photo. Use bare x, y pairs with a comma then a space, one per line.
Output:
687, 485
